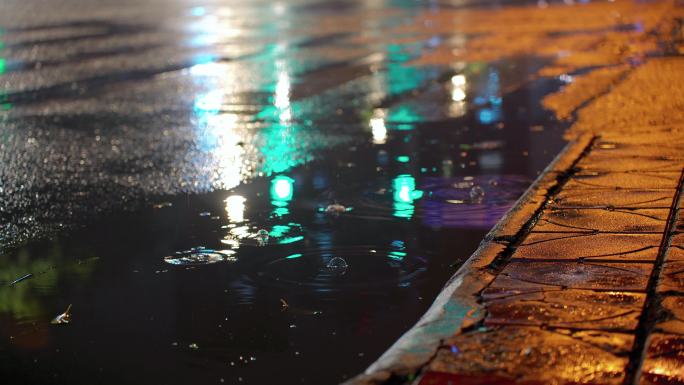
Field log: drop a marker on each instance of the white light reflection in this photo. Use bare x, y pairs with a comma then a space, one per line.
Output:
282, 93
210, 68
211, 29
222, 141
458, 80
458, 96
279, 9
235, 208
211, 102
377, 125
218, 132
238, 228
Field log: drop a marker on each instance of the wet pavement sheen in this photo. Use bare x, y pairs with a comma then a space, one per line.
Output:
228, 192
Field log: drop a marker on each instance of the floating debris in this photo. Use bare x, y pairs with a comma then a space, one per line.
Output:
493, 182
162, 205
200, 256
476, 194
337, 265
27, 276
193, 346
284, 304
488, 145
63, 318
262, 237
336, 209
204, 214
463, 185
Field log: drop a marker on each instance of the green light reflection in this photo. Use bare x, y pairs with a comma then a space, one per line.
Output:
282, 188
397, 255
405, 193
289, 240
282, 191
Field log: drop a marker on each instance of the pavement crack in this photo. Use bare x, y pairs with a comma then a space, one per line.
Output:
574, 235
570, 226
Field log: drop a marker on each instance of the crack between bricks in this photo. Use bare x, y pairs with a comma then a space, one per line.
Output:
649, 314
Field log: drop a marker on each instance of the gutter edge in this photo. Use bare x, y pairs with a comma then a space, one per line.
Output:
456, 307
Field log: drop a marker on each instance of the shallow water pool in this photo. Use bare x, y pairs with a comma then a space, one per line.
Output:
243, 194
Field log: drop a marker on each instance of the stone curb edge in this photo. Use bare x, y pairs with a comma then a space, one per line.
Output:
456, 307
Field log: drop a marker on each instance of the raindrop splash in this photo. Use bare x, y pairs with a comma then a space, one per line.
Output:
337, 265
476, 194
262, 237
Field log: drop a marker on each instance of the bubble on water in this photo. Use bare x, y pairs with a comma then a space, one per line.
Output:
493, 182
321, 269
476, 194
337, 265
200, 256
262, 237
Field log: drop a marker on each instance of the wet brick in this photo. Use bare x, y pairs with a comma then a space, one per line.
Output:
671, 317
608, 197
624, 180
672, 274
590, 246
567, 308
617, 220
664, 363
533, 354
577, 275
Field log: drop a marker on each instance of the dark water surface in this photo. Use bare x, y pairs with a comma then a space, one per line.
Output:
241, 193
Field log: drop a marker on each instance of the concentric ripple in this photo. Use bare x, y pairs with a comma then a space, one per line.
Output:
343, 268
476, 202
451, 203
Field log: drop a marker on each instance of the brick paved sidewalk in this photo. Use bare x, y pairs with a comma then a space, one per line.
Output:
584, 282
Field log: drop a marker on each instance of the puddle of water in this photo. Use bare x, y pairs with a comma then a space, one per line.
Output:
285, 204
212, 271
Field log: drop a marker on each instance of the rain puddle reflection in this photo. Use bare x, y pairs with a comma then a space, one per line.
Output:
271, 182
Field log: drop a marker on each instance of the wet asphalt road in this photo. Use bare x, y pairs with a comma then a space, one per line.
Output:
132, 131
105, 105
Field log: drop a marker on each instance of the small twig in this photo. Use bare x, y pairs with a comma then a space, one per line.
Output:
27, 276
